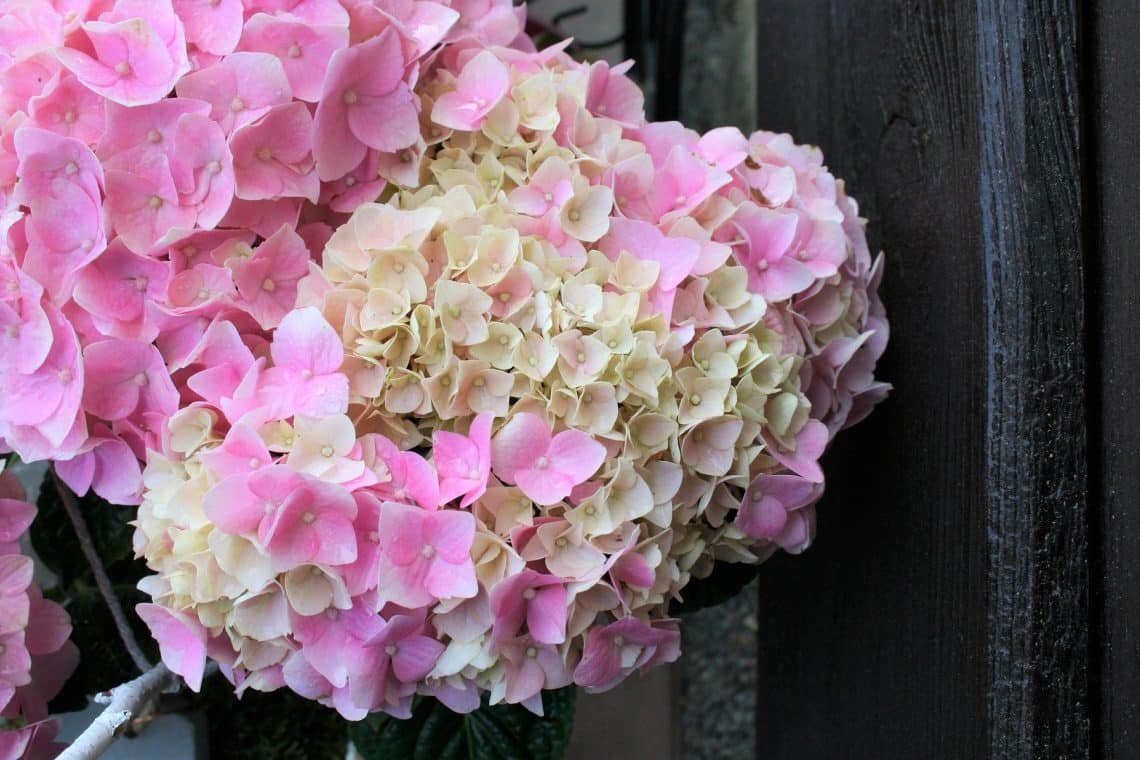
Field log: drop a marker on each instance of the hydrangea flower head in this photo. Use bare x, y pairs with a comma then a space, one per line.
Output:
436, 367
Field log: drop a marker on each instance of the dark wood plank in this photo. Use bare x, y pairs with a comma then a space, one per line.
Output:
943, 612
1114, 108
873, 642
1038, 513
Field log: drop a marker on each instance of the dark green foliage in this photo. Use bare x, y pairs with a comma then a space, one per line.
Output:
276, 726
103, 661
502, 732
726, 581
55, 543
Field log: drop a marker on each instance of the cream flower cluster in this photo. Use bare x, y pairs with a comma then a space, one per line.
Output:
564, 363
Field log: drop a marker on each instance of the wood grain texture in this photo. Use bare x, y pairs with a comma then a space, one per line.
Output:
944, 610
873, 642
1038, 506
1114, 284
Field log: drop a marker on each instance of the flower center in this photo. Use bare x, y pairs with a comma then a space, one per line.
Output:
308, 518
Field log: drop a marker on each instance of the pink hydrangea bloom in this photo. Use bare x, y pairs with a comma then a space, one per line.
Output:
181, 640
482, 83
463, 461
36, 656
546, 467
306, 377
135, 52
616, 650
303, 48
365, 103
419, 347
425, 555
771, 508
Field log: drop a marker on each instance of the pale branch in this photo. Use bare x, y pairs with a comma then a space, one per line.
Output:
87, 546
127, 702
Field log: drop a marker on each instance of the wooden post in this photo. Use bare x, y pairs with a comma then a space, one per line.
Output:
1113, 121
945, 611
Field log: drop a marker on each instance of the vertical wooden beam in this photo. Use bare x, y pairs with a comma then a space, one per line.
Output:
872, 643
1038, 504
944, 611
1113, 108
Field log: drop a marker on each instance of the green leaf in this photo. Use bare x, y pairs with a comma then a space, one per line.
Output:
53, 538
278, 725
501, 732
726, 581
103, 661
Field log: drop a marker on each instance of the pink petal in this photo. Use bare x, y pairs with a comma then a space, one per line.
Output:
15, 517
519, 444
386, 122
415, 657
213, 26
304, 49
181, 640
547, 614
233, 507
451, 533
576, 455
545, 487
804, 460
305, 341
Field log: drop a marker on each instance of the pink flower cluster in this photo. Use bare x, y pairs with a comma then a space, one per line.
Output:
35, 654
169, 164
447, 369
